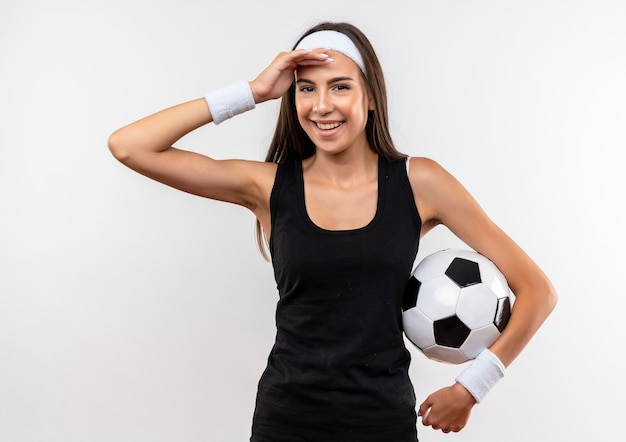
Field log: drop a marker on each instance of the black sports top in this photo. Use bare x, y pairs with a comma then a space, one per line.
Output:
339, 367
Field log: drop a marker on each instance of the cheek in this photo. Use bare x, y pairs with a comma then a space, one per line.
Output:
301, 113
302, 107
361, 108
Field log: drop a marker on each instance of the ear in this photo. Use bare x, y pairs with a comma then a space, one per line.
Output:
370, 104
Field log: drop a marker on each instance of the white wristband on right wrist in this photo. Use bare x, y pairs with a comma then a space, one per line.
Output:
482, 374
226, 102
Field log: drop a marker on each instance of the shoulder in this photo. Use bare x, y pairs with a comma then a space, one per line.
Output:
437, 193
425, 173
422, 163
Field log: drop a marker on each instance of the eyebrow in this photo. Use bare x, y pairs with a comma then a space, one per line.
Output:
331, 81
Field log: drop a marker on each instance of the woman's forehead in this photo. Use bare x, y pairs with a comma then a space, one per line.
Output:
342, 66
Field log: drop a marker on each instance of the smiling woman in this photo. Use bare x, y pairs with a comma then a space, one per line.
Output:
344, 212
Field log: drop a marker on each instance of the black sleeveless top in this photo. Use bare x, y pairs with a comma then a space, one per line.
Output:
339, 369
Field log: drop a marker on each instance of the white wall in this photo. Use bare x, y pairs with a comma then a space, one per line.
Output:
132, 312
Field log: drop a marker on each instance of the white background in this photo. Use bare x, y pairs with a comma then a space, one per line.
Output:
133, 312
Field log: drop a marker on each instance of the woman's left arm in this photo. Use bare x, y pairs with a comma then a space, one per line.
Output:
441, 199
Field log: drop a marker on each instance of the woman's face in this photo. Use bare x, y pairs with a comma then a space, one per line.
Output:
332, 104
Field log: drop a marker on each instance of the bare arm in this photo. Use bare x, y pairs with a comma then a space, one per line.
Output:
443, 200
146, 145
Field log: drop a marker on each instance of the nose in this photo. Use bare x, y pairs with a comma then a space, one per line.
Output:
323, 103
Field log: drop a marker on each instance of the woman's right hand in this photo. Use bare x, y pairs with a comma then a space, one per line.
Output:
276, 79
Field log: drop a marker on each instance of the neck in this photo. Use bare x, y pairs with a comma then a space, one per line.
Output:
346, 169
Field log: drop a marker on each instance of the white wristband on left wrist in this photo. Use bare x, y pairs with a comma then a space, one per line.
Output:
482, 375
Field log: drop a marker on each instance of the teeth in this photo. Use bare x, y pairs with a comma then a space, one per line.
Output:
328, 126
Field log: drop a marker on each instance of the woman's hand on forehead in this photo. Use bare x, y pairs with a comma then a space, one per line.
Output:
276, 79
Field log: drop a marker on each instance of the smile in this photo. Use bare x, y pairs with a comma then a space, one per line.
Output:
328, 126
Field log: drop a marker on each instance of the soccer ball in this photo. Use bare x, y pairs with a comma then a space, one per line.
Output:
456, 304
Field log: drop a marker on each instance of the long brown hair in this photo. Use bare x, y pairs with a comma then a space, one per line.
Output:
291, 142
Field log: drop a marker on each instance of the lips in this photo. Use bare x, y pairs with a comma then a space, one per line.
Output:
328, 126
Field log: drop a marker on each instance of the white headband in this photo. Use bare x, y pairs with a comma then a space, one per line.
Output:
334, 41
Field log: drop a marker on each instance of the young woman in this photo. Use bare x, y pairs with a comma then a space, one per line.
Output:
343, 212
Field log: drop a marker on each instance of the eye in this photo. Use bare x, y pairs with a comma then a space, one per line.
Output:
306, 89
342, 87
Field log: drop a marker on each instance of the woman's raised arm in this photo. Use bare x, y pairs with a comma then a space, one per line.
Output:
146, 145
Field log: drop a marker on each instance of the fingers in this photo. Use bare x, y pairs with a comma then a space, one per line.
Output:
424, 409
448, 409
274, 81
439, 419
441, 423
304, 57
444, 427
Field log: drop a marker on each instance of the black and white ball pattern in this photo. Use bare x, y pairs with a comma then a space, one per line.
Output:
456, 304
